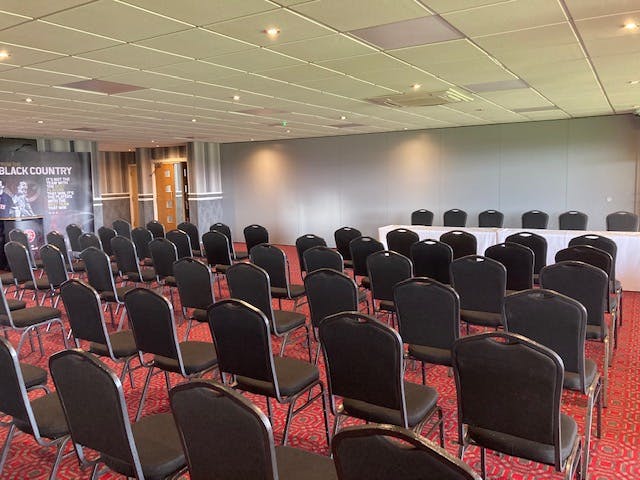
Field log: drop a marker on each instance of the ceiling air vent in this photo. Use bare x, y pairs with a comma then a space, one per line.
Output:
420, 99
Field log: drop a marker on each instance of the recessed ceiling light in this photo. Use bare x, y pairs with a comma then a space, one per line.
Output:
631, 25
28, 100
4, 55
288, 131
130, 150
236, 97
194, 120
272, 31
40, 121
343, 117
416, 86
153, 141
634, 82
405, 128
251, 139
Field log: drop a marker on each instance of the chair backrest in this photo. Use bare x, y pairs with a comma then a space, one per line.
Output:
57, 239
491, 218
82, 304
537, 243
481, 283
622, 222
422, 216
216, 248
319, 257
587, 254
122, 228
518, 260
194, 282
54, 266
428, 312
361, 248
363, 358
454, 218
98, 269
224, 230
535, 219
400, 240
73, 233
106, 234
329, 292
192, 231
163, 255
88, 239
304, 243
386, 269
603, 243
17, 235
181, 241
343, 237
255, 235
85, 386
126, 255
156, 228
508, 384
141, 237
573, 220
238, 436
250, 283
382, 452
432, 258
274, 261
19, 262
462, 243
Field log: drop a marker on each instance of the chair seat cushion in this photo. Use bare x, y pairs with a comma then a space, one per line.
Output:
240, 255
33, 375
110, 296
572, 379
78, 265
15, 304
170, 281
6, 278
122, 343
387, 306
200, 315
293, 376
147, 262
146, 275
41, 284
196, 356
485, 319
437, 356
595, 332
48, 414
31, 316
296, 464
518, 447
159, 448
220, 268
420, 399
295, 290
286, 320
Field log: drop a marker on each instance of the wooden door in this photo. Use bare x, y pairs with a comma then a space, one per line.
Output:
165, 195
133, 191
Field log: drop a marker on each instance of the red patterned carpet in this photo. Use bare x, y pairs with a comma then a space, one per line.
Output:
615, 456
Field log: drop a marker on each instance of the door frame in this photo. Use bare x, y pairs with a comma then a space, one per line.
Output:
155, 165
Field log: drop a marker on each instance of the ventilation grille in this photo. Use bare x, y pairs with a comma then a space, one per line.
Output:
420, 99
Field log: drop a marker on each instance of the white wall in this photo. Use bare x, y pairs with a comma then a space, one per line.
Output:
316, 185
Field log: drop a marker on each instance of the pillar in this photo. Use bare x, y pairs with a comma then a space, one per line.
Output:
205, 184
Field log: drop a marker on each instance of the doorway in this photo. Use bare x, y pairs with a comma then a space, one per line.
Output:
171, 189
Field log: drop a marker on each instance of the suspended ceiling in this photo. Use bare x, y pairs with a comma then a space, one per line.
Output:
170, 71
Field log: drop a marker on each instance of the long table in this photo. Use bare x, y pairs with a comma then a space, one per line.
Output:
627, 262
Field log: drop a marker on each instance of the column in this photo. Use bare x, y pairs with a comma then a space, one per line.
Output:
205, 184
144, 164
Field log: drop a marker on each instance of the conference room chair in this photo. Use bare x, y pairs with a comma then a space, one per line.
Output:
218, 254
385, 270
154, 331
361, 248
128, 262
304, 243
73, 265
86, 321
428, 320
122, 228
535, 219
386, 452
573, 220
141, 237
234, 430
560, 323
182, 242
481, 284
34, 377
422, 216
164, 255
622, 222
195, 289
588, 285
156, 228
250, 283
400, 240
255, 235
343, 237
106, 234
148, 449
226, 231
241, 335
88, 239
509, 393
73, 234
194, 237
462, 243
55, 269
490, 219
17, 235
454, 218
518, 260
23, 274
319, 257
432, 258
42, 417
538, 244
365, 368
274, 261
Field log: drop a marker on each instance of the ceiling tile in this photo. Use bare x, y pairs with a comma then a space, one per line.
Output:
516, 99
81, 66
323, 48
146, 79
605, 35
341, 85
446, 6
31, 75
23, 56
38, 8
133, 56
254, 60
299, 73
459, 51
195, 43
197, 70
496, 86
580, 9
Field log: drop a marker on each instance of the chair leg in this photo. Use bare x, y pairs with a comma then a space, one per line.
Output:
441, 427
59, 453
483, 462
309, 342
122, 317
189, 326
605, 385
147, 382
325, 413
284, 343
40, 345
336, 424
96, 472
288, 422
424, 373
7, 446
587, 433
269, 411
167, 381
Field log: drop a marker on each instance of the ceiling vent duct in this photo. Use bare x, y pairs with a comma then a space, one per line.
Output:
421, 99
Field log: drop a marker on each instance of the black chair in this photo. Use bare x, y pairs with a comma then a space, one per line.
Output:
316, 258
573, 220
491, 219
343, 237
255, 235
365, 367
148, 449
88, 239
195, 288
518, 260
250, 283
454, 218
73, 234
622, 222
141, 237
361, 248
106, 234
560, 323
400, 240
274, 261
218, 253
41, 418
128, 262
238, 438
241, 334
535, 219
509, 394
73, 265
154, 330
385, 270
481, 284
122, 228
537, 243
422, 217
462, 243
432, 258
164, 255
385, 452
17, 235
55, 269
304, 243
428, 320
194, 236
20, 265
226, 231
156, 228
181, 241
